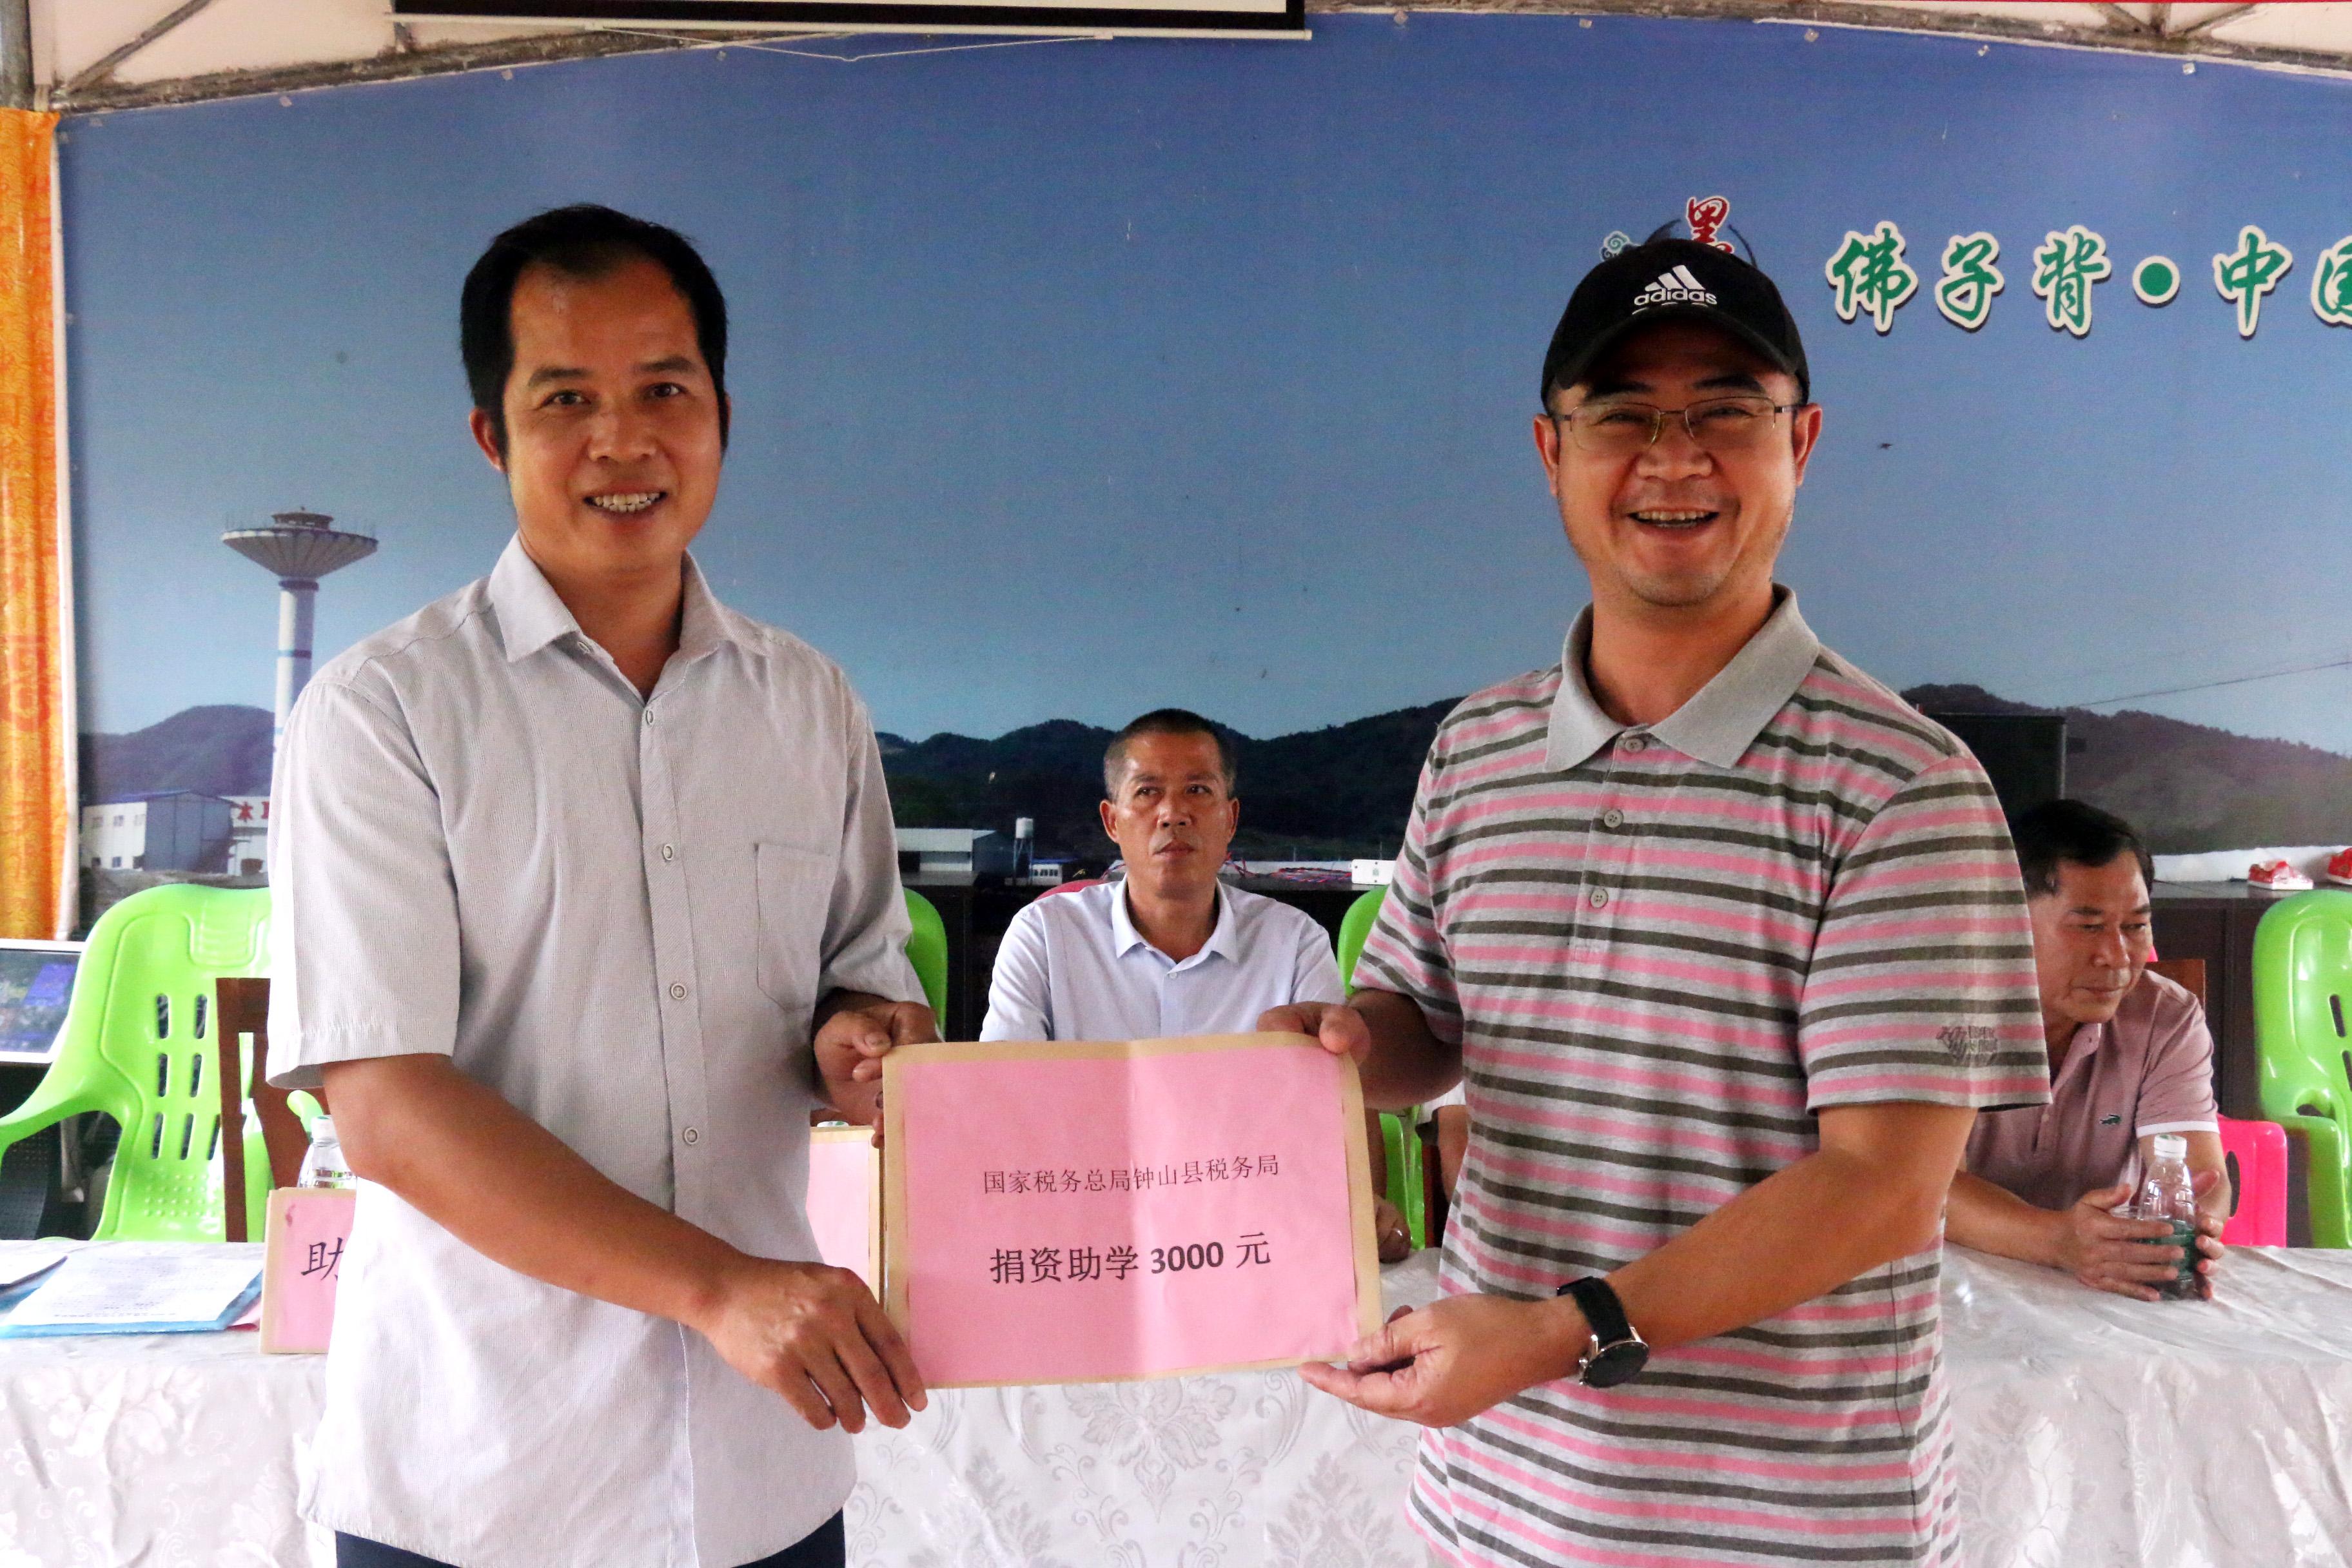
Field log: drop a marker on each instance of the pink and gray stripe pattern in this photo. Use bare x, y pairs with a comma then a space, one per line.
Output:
1659, 968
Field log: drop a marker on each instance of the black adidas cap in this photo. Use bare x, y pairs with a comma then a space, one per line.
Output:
1661, 280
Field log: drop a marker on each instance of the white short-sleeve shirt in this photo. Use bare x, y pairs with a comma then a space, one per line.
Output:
620, 914
1073, 967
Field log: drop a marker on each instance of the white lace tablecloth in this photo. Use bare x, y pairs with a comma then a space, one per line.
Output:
2092, 1433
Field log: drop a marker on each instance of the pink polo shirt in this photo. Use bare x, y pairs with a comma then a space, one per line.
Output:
2149, 1069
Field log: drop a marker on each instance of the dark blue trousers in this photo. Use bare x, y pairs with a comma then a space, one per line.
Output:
823, 1548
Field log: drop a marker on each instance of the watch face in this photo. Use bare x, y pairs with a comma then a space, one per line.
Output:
1616, 1364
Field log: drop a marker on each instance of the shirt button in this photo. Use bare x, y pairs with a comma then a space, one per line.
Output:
1633, 743
649, 717
692, 1136
676, 992
670, 854
1599, 898
1612, 817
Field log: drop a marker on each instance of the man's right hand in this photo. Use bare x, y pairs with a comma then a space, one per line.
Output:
1336, 1026
2108, 1253
815, 1335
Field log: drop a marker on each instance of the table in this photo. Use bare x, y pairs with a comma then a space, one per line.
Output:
2092, 1432
160, 1450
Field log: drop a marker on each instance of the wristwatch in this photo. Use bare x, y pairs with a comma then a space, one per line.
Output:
1614, 1354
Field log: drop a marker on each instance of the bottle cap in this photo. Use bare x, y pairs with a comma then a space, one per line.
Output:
324, 1127
2171, 1146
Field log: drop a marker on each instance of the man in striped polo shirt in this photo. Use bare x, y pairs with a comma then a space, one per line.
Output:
1729, 946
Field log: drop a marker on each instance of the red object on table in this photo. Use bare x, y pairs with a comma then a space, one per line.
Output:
2256, 1152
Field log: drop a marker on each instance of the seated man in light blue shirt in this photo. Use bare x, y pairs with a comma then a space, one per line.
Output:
1170, 950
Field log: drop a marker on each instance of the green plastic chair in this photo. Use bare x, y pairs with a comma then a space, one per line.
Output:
136, 1044
927, 950
1355, 926
1400, 1134
2303, 990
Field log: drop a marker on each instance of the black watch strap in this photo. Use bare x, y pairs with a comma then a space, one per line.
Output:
1614, 1354
1603, 1312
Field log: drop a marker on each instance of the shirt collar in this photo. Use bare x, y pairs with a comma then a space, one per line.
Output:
1125, 939
1719, 721
2089, 1039
531, 615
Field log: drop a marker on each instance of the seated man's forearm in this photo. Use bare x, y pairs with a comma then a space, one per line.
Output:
1991, 1218
1409, 1065
456, 1152
1872, 1194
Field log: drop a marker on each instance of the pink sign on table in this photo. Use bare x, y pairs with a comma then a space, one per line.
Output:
844, 1200
303, 1264
1075, 1212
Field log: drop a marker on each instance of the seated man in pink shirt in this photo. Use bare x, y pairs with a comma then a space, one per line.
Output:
2129, 1057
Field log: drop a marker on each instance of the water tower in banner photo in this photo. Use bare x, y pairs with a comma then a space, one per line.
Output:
299, 548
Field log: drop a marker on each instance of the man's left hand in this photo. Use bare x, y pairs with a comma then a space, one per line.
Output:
853, 1040
1445, 1363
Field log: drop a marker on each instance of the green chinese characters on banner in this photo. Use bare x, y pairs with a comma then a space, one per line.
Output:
1970, 279
2244, 275
2331, 284
1868, 272
2070, 261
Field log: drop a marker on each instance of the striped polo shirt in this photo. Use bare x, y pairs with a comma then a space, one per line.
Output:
1662, 948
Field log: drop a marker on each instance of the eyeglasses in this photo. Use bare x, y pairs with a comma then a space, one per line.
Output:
1608, 429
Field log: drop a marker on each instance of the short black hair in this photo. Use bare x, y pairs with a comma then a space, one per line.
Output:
1164, 722
582, 241
2073, 833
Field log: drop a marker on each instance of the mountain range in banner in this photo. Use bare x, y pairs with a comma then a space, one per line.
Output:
1344, 790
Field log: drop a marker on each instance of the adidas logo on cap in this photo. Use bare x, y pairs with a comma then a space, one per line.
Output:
1675, 288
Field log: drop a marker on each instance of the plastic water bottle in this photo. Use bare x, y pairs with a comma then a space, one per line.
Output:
322, 1163
2168, 1194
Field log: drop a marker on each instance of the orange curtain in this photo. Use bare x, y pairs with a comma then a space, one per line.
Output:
35, 717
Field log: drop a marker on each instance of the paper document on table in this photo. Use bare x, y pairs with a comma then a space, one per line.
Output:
131, 1288
1062, 1212
21, 1263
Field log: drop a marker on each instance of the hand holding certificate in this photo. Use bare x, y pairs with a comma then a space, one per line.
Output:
1072, 1212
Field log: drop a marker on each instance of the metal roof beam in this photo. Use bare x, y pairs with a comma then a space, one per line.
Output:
104, 65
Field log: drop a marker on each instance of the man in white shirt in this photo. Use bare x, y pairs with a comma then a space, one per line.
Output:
585, 896
1170, 949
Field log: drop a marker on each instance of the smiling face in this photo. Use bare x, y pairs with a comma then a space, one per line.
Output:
1172, 814
2092, 939
613, 425
1675, 527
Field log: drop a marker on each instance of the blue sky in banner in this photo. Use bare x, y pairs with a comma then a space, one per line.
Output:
1075, 379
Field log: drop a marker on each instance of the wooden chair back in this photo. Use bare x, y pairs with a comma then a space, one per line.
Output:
241, 1008
2189, 973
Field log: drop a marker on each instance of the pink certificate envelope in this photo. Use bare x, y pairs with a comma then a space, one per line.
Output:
845, 1199
301, 1265
1068, 1212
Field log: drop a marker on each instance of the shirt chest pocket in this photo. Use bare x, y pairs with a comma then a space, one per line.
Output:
796, 887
